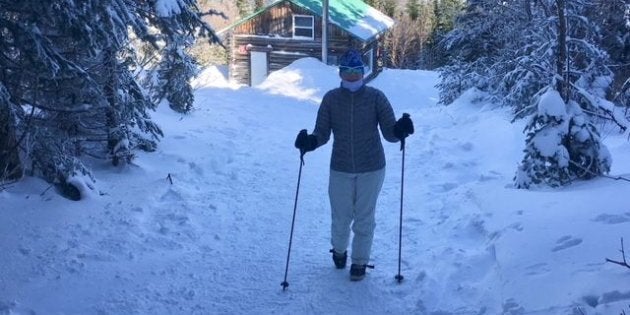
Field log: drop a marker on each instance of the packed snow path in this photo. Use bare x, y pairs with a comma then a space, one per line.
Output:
214, 241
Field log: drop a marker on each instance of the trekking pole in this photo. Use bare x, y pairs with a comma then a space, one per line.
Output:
284, 283
399, 277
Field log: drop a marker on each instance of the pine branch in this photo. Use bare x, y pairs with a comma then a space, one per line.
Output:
66, 110
609, 114
595, 175
623, 255
211, 12
6, 185
45, 190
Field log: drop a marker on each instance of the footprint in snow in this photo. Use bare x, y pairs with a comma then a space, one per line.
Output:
511, 307
613, 218
13, 307
467, 146
444, 187
517, 226
537, 269
565, 242
195, 168
171, 195
492, 175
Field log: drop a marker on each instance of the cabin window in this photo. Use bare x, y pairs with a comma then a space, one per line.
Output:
303, 26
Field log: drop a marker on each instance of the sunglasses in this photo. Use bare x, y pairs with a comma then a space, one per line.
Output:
351, 70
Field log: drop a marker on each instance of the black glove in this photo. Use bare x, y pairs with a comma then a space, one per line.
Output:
305, 142
403, 127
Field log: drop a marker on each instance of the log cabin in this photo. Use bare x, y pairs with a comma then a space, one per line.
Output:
287, 30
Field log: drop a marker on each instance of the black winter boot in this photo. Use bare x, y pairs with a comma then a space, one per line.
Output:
339, 259
357, 272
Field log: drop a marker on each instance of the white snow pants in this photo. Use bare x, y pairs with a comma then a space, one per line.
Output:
353, 201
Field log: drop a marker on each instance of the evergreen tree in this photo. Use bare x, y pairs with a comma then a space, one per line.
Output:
244, 7
389, 7
373, 3
42, 50
445, 13
535, 55
472, 48
67, 83
413, 9
259, 4
407, 41
561, 144
613, 20
546, 159
175, 71
403, 44
9, 159
386, 6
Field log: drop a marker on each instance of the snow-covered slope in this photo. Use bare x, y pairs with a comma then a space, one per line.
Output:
214, 240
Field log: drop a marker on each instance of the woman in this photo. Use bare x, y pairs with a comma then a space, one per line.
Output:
354, 112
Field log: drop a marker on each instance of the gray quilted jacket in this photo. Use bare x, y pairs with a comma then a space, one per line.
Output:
354, 118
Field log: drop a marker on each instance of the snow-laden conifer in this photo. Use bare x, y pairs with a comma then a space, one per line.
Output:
561, 144
175, 71
67, 70
521, 51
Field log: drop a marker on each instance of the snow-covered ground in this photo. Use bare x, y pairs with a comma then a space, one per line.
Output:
214, 241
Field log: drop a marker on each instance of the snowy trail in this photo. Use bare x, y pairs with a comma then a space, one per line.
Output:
215, 240
245, 252
311, 276
206, 231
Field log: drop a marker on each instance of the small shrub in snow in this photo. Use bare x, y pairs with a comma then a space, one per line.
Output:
561, 145
546, 158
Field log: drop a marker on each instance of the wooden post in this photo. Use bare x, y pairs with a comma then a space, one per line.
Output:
325, 32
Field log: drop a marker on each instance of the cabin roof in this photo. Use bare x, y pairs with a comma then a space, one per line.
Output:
354, 16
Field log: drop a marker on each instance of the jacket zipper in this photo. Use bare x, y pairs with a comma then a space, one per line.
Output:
354, 168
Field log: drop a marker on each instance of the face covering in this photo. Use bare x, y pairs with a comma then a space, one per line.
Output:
353, 86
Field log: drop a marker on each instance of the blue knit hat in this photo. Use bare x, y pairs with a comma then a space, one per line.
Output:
351, 59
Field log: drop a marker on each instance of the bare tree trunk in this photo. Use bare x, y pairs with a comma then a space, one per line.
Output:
110, 89
528, 10
561, 61
10, 163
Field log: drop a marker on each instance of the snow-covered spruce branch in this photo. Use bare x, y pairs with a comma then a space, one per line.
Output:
596, 175
609, 113
5, 174
83, 109
624, 262
5, 185
27, 129
609, 116
624, 87
142, 65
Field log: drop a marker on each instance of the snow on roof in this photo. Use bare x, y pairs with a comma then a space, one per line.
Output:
372, 24
354, 16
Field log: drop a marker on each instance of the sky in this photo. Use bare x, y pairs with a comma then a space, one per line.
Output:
202, 225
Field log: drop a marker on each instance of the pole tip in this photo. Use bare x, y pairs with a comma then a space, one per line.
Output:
399, 278
284, 285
